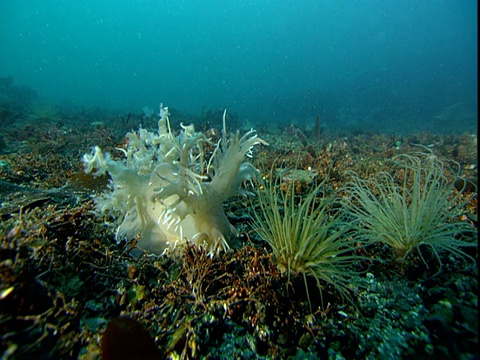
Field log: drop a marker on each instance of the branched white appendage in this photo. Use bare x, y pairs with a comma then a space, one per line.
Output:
123, 151
248, 141
224, 130
96, 161
221, 244
166, 215
173, 221
163, 122
181, 232
195, 181
117, 232
214, 154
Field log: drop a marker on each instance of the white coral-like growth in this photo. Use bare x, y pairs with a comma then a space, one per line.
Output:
160, 191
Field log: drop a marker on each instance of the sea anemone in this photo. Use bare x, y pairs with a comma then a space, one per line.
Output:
420, 211
307, 236
164, 192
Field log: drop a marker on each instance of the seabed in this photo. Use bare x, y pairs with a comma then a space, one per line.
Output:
64, 278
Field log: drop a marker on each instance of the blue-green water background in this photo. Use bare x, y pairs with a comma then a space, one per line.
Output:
377, 64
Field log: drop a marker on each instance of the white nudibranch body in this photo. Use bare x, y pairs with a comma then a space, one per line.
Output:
160, 191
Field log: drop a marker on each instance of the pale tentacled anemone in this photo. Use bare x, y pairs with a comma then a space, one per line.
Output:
161, 191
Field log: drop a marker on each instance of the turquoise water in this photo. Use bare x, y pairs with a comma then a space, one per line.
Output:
370, 64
